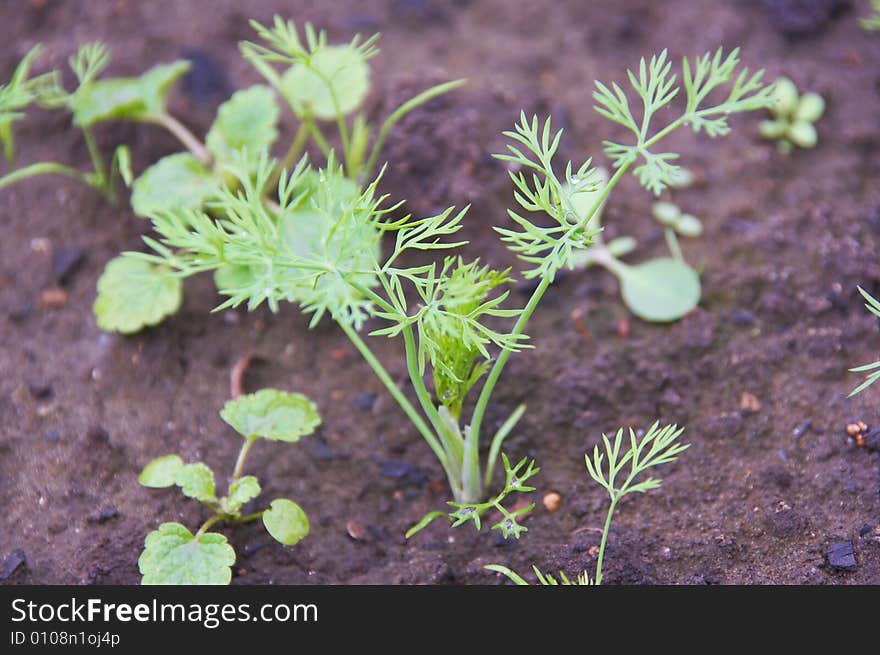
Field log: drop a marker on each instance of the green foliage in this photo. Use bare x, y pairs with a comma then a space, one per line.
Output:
177, 181
172, 554
286, 522
247, 121
272, 414
794, 116
872, 22
619, 474
133, 294
544, 579
660, 290
332, 81
872, 370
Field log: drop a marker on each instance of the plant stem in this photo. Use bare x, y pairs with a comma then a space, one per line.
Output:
405, 405
605, 530
242, 455
293, 153
187, 138
42, 168
207, 524
672, 244
249, 517
97, 160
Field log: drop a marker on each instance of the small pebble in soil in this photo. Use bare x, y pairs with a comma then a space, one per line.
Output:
52, 436
14, 560
397, 470
40, 390
21, 312
356, 530
552, 501
858, 432
66, 262
53, 297
364, 401
749, 403
841, 556
102, 516
742, 318
801, 430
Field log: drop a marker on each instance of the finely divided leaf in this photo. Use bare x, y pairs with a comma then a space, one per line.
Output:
134, 294
174, 556
286, 521
247, 120
272, 414
126, 98
161, 472
175, 182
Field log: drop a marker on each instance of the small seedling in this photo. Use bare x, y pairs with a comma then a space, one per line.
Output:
319, 247
794, 116
659, 290
872, 370
320, 83
658, 446
172, 554
872, 22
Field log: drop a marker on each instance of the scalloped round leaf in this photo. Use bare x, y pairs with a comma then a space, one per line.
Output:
660, 290
134, 294
174, 556
688, 225
810, 107
286, 521
667, 213
177, 181
240, 492
622, 246
247, 120
196, 481
272, 414
785, 97
802, 134
161, 472
127, 98
335, 70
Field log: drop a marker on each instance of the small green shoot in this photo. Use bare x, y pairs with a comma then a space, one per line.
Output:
872, 22
872, 370
174, 555
794, 117
657, 447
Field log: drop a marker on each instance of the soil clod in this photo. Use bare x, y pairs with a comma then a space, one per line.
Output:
841, 556
13, 561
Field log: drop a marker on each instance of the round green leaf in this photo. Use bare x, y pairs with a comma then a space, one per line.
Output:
272, 414
660, 290
174, 556
785, 96
161, 472
688, 225
174, 182
810, 108
126, 98
339, 71
196, 481
666, 213
622, 246
773, 129
247, 120
681, 178
240, 492
803, 134
134, 294
286, 521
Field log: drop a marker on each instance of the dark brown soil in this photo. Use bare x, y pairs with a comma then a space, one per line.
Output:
758, 498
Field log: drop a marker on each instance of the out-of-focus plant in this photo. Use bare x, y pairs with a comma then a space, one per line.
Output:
794, 117
872, 370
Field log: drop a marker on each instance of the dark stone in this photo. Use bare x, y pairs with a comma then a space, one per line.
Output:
66, 262
206, 80
803, 17
742, 318
841, 556
103, 516
396, 470
866, 530
52, 436
14, 560
21, 312
40, 390
872, 440
364, 401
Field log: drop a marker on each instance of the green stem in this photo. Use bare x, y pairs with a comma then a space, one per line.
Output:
605, 530
249, 517
97, 160
43, 168
187, 138
672, 244
293, 154
242, 455
207, 524
405, 404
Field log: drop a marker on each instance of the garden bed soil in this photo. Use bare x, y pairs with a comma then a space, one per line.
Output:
771, 480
